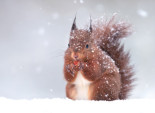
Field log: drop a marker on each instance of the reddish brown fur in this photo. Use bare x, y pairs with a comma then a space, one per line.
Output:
104, 63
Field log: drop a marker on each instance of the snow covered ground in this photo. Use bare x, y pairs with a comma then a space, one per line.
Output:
57, 105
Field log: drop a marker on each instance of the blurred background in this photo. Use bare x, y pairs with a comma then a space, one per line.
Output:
34, 35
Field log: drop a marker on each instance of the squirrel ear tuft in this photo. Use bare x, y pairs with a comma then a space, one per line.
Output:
74, 24
90, 27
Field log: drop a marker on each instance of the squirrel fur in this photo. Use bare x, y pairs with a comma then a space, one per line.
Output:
96, 67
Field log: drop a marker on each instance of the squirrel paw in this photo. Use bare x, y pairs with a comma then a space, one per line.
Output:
72, 69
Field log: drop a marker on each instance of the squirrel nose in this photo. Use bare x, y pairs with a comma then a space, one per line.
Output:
75, 56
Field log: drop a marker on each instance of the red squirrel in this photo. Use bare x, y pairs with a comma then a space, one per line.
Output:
96, 67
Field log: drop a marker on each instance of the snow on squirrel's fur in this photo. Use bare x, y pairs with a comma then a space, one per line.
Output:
96, 56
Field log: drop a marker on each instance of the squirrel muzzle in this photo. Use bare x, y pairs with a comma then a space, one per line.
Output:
76, 56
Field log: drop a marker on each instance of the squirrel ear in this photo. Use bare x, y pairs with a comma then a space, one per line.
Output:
90, 27
74, 24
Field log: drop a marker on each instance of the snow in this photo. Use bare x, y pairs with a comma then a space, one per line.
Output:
46, 43
55, 15
142, 13
92, 51
106, 95
75, 1
22, 49
81, 1
38, 69
51, 90
41, 31
99, 7
57, 105
49, 23
107, 82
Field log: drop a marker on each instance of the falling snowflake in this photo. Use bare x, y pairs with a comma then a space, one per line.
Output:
107, 82
81, 1
55, 15
49, 23
75, 1
106, 95
38, 69
142, 13
51, 90
41, 31
46, 43
99, 7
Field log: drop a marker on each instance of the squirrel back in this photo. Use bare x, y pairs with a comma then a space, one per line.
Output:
96, 66
108, 36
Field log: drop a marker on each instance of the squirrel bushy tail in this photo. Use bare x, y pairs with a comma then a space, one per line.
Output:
108, 36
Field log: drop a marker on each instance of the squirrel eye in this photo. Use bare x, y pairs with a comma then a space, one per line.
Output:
68, 45
87, 46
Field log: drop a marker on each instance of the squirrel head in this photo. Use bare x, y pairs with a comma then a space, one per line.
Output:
80, 47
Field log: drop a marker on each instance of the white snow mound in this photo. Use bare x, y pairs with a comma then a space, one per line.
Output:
80, 106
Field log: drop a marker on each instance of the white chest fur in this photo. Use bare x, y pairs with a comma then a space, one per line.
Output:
82, 87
